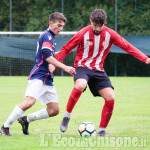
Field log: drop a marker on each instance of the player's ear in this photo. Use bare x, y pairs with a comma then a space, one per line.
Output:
50, 23
91, 21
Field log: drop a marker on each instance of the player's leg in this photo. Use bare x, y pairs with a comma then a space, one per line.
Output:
80, 85
81, 78
47, 97
51, 110
100, 85
108, 95
33, 92
16, 113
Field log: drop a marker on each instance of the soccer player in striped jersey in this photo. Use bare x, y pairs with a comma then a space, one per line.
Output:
93, 44
40, 84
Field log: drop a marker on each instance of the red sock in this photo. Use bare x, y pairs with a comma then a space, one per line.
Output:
106, 113
75, 95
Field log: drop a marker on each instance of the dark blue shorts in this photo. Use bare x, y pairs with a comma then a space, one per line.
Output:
96, 80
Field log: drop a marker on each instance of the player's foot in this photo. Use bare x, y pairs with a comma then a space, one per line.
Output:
64, 124
5, 131
24, 124
102, 133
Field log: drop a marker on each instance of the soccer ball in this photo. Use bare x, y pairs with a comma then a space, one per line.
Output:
87, 129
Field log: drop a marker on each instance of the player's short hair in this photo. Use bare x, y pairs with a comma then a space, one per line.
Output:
99, 16
57, 16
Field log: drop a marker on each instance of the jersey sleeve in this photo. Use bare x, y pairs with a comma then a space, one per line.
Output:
69, 46
127, 47
47, 47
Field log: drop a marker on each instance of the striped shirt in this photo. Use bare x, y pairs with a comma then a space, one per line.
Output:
92, 49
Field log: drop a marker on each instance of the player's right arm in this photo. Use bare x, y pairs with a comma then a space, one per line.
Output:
69, 46
48, 53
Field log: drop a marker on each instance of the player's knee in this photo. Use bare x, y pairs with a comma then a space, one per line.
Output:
53, 112
80, 86
110, 96
29, 102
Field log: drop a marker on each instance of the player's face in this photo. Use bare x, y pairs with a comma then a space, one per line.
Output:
97, 28
56, 26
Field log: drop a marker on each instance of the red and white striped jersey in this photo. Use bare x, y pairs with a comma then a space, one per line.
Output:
92, 49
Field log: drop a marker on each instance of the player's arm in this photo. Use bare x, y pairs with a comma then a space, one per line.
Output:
129, 48
47, 53
69, 46
56, 63
55, 55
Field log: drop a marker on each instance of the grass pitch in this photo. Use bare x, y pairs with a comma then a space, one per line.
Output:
129, 127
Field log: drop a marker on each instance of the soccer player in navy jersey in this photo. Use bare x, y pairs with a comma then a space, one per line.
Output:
40, 84
93, 44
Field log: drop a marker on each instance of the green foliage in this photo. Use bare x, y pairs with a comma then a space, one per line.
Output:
32, 15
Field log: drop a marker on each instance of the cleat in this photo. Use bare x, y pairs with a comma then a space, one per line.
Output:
102, 133
5, 131
24, 124
64, 124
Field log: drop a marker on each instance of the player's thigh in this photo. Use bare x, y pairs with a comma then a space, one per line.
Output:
98, 82
107, 93
34, 88
49, 95
81, 78
81, 84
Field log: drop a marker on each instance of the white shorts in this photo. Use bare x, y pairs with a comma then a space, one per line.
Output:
40, 91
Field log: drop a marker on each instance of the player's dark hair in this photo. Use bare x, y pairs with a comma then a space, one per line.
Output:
99, 16
57, 16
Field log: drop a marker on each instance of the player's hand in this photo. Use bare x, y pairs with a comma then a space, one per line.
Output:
51, 68
70, 70
148, 61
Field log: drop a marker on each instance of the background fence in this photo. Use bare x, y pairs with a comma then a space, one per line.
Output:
17, 55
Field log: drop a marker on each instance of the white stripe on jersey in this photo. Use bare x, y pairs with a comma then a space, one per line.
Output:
96, 50
107, 39
47, 48
86, 48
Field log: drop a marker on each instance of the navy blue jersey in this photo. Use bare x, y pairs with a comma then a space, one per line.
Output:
45, 49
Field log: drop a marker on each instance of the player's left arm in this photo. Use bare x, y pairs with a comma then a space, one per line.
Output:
129, 48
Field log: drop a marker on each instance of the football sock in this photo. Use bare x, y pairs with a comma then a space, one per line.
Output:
41, 114
106, 113
75, 94
67, 114
16, 113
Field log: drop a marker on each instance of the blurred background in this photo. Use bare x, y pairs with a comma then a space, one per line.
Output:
130, 18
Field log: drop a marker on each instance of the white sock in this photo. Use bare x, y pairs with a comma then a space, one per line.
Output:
16, 113
67, 114
101, 129
41, 114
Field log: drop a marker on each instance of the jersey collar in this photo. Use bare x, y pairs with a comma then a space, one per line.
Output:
51, 32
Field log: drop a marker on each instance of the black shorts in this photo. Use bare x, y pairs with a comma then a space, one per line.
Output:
96, 80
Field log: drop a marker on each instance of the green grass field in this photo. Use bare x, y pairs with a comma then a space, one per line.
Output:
131, 117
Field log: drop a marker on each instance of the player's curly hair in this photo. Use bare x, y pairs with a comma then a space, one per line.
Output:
57, 16
99, 16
